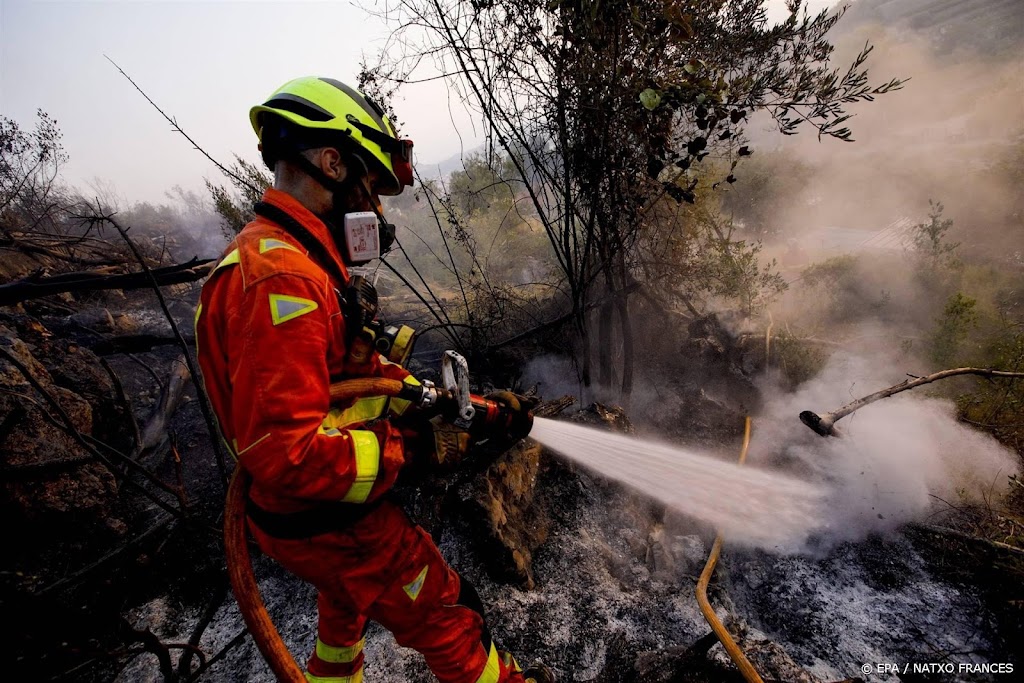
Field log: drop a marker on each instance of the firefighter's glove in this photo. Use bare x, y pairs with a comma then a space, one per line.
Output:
520, 410
450, 443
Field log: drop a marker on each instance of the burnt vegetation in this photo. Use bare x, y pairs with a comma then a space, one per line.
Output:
623, 216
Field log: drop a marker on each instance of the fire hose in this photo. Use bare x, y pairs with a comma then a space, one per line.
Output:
236, 546
474, 413
735, 653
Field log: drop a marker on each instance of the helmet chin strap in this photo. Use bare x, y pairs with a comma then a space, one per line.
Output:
356, 173
386, 231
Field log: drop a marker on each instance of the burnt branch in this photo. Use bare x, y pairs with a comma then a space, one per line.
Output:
204, 403
824, 425
36, 286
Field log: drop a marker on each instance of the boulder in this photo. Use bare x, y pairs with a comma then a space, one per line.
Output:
49, 478
513, 525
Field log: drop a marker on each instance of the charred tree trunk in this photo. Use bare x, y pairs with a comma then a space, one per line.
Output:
626, 325
581, 330
604, 344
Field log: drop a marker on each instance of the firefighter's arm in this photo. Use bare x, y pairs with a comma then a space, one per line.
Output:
280, 382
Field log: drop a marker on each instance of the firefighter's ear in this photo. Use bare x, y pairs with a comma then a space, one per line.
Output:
331, 163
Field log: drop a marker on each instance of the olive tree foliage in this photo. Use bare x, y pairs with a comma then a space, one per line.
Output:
608, 109
30, 192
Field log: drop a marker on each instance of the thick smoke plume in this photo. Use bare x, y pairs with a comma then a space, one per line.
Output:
951, 134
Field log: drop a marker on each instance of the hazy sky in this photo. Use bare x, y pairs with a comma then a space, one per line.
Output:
204, 63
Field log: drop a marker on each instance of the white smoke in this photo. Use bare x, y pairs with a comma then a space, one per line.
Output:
901, 459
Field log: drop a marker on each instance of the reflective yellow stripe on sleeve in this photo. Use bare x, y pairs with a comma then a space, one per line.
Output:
338, 655
492, 670
363, 410
398, 405
367, 452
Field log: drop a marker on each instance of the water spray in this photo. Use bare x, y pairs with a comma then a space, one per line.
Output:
748, 504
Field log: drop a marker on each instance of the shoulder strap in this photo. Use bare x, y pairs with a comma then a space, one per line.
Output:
317, 251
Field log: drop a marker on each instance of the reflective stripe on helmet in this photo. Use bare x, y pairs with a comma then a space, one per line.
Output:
338, 655
367, 453
363, 101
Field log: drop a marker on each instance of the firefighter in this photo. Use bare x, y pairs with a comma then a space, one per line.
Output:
274, 329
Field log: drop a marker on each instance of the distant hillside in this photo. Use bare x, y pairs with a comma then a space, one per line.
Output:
444, 168
985, 26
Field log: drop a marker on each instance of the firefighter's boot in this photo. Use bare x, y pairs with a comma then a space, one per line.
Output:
538, 673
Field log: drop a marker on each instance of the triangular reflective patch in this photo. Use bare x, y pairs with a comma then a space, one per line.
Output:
284, 308
269, 243
413, 589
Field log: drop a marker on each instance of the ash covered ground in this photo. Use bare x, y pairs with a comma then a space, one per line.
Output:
614, 601
613, 578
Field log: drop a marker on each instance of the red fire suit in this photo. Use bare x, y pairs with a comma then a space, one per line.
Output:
271, 338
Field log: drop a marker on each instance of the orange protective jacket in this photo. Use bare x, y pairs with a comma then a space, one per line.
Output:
271, 339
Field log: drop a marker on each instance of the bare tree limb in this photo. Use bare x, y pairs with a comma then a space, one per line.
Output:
824, 425
211, 423
84, 571
33, 287
178, 129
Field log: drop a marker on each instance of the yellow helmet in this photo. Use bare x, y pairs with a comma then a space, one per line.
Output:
341, 113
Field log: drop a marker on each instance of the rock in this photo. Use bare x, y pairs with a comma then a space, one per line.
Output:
95, 319
683, 665
772, 662
698, 418
721, 365
690, 551
513, 526
49, 477
51, 484
78, 370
